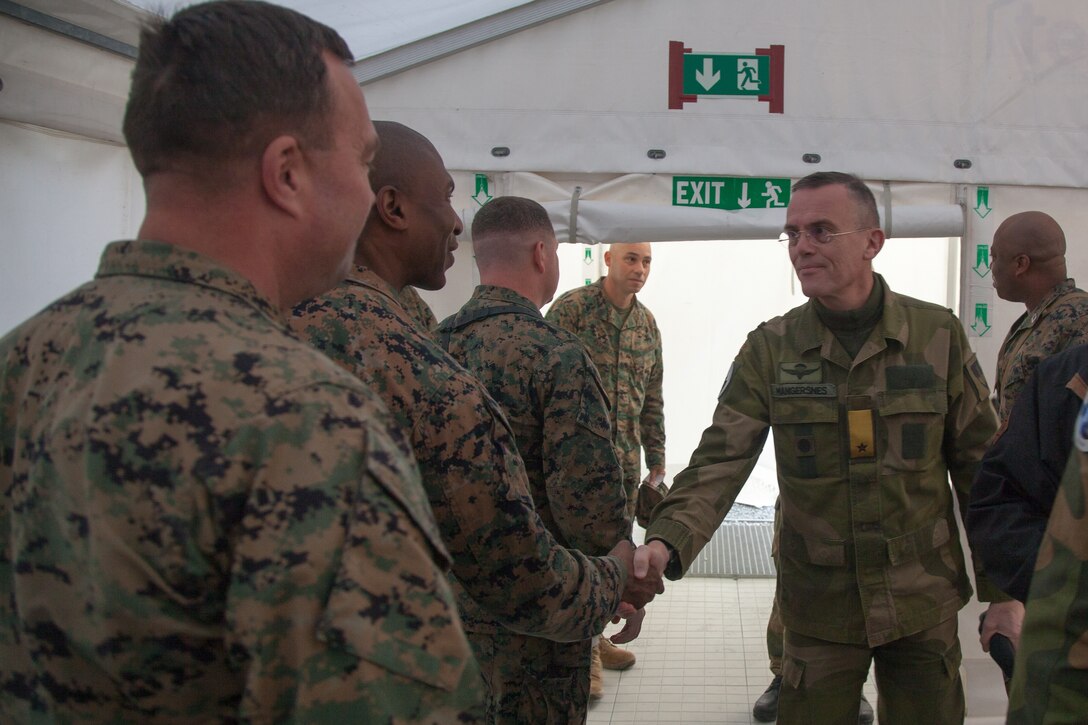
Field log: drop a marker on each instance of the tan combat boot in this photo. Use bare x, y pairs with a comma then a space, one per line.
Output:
596, 683
613, 657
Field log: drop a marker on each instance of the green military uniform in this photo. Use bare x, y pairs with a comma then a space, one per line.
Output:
1050, 683
417, 309
1058, 322
543, 378
868, 546
204, 520
625, 345
507, 569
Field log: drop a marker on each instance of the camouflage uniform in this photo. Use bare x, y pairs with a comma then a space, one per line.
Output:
868, 547
543, 378
1050, 684
204, 520
625, 345
1058, 322
507, 569
417, 309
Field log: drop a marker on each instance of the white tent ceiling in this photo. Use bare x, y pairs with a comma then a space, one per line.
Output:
373, 26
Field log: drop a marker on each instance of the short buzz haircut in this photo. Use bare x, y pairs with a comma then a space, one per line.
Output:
511, 215
220, 80
863, 195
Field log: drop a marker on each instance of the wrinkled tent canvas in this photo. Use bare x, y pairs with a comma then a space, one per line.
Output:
957, 112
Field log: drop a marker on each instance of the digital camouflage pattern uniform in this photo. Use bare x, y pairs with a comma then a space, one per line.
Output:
1050, 683
1058, 322
625, 345
204, 520
417, 309
868, 548
507, 569
544, 380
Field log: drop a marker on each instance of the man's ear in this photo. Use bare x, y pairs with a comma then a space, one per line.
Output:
389, 205
608, 258
873, 243
1021, 265
540, 257
284, 176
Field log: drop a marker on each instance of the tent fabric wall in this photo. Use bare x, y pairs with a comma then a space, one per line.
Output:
63, 198
893, 91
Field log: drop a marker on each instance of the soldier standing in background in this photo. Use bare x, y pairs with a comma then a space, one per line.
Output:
1028, 265
622, 338
508, 571
874, 399
543, 378
199, 510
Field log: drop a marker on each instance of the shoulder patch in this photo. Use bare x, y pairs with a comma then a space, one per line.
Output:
728, 377
1080, 437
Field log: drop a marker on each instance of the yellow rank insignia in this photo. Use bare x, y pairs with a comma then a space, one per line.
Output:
800, 372
861, 433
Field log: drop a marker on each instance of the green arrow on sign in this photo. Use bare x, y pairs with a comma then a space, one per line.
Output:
982, 313
730, 193
982, 208
982, 260
721, 74
482, 195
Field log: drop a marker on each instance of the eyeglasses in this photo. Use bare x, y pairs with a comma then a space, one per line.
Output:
818, 234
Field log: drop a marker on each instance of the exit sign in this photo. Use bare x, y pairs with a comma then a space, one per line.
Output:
730, 192
758, 75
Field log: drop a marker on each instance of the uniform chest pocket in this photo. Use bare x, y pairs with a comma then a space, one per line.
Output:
913, 422
805, 430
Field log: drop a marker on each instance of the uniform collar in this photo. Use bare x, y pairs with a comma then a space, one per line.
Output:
160, 260
504, 295
892, 325
1060, 290
366, 277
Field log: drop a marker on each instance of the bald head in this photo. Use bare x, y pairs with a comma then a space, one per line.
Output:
1033, 233
1027, 257
402, 153
628, 270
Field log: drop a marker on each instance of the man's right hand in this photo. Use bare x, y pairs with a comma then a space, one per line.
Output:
651, 558
640, 590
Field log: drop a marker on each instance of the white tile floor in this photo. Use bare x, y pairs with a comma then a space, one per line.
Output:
702, 658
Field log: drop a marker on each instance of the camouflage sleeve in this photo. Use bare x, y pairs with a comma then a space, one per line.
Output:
969, 425
703, 493
507, 560
336, 609
583, 475
1050, 682
652, 418
564, 313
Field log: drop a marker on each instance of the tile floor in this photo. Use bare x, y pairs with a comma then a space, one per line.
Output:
703, 659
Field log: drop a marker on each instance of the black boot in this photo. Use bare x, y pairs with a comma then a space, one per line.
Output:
766, 707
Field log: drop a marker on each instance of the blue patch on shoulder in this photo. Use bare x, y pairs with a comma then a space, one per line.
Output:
1080, 437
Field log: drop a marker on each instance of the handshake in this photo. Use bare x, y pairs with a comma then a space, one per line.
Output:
645, 568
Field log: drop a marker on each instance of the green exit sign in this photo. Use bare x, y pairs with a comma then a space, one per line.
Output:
720, 74
730, 192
